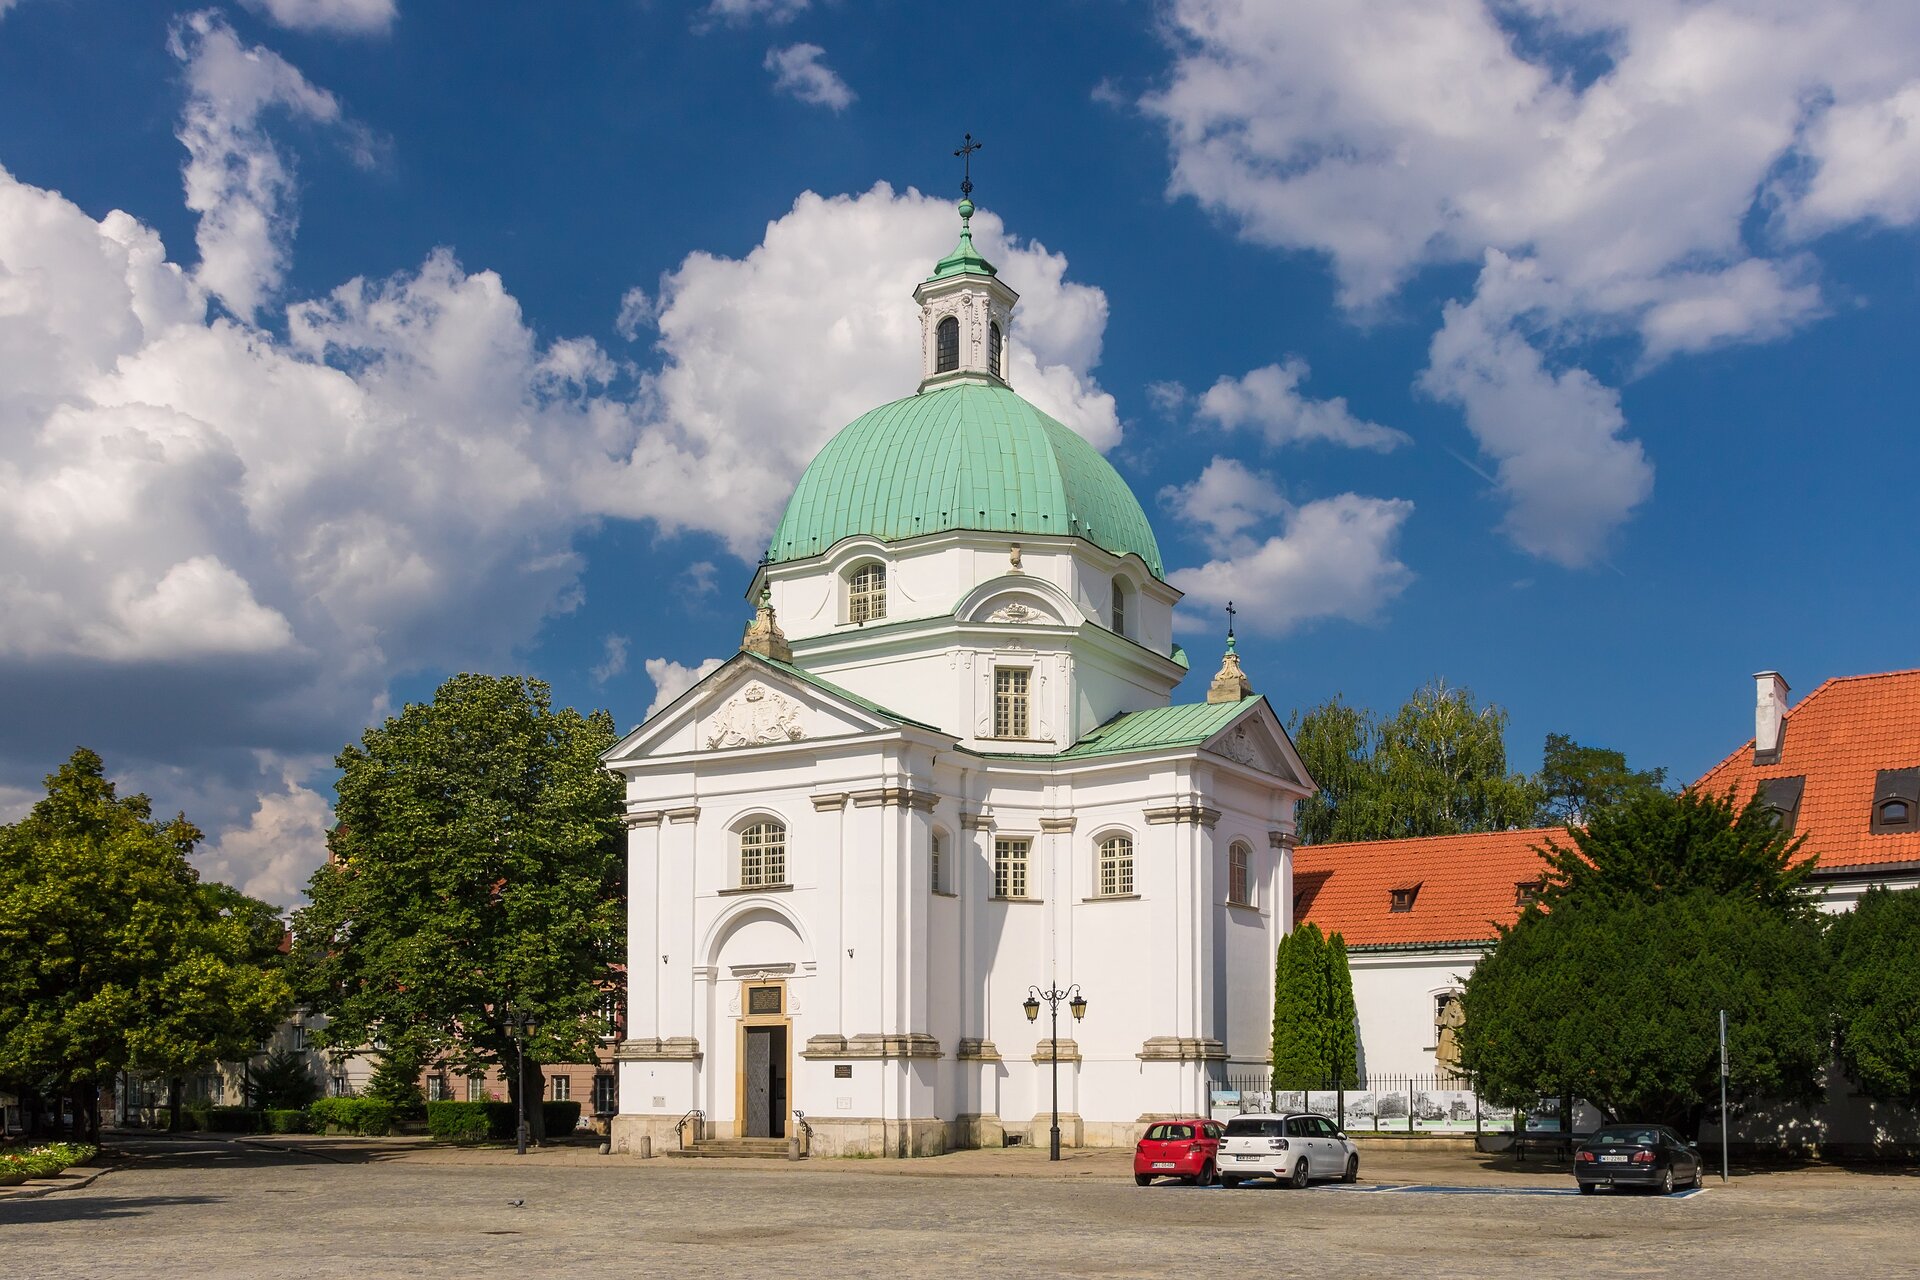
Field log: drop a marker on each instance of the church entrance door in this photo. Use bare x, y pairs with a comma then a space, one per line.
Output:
764, 1068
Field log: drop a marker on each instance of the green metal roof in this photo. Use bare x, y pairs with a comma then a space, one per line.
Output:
965, 456
1186, 725
965, 259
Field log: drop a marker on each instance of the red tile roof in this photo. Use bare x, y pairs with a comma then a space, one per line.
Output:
1838, 738
1466, 884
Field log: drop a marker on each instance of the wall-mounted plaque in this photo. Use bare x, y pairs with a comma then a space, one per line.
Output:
843, 1071
763, 1000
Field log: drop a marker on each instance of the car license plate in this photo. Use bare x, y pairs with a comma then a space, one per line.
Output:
1613, 1159
1246, 1157
1163, 1164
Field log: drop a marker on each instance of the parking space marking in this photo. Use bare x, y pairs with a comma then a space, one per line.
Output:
1433, 1189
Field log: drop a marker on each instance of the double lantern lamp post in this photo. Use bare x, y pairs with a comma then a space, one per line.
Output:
1078, 1004
521, 1028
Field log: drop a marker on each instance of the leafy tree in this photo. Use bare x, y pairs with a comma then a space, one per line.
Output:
1615, 999
1314, 1041
1876, 990
475, 869
1437, 767
113, 954
396, 1079
1656, 844
1336, 743
281, 1080
1576, 782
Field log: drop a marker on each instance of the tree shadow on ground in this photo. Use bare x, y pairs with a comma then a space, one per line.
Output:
89, 1208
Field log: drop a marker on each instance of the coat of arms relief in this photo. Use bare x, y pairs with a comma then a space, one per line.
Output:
756, 717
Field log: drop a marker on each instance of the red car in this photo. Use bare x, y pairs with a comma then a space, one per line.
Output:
1185, 1149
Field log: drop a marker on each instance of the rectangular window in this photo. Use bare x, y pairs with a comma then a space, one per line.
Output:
936, 871
1010, 868
298, 1035
1116, 866
610, 1015
476, 1089
1237, 886
562, 1088
1010, 701
605, 1096
436, 1088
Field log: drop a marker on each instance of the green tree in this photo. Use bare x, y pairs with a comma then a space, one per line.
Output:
1576, 782
1314, 1044
1657, 844
113, 954
1437, 767
475, 868
397, 1077
1616, 999
1876, 990
281, 1080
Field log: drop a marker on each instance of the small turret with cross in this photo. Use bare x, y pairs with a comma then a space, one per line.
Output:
1230, 683
966, 311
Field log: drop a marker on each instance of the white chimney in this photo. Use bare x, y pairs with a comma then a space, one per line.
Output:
1769, 715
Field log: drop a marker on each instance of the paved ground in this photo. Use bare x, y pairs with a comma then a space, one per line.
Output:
323, 1208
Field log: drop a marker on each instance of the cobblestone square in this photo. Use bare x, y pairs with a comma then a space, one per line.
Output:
318, 1208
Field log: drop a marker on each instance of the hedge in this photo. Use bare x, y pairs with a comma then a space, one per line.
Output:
470, 1121
560, 1118
369, 1116
287, 1120
234, 1120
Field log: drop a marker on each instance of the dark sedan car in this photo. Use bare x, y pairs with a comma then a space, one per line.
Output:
1636, 1155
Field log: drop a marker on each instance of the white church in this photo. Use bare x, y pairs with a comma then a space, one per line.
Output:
944, 772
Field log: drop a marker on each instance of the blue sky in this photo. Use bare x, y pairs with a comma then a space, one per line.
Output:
1561, 350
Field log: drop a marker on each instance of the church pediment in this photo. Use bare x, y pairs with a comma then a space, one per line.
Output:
749, 703
1019, 599
1258, 741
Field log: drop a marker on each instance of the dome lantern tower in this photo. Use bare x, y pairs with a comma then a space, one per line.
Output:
966, 311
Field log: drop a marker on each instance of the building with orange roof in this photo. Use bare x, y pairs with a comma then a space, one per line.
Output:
1842, 769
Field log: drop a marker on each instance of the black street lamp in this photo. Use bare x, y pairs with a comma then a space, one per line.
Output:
520, 1029
1077, 1003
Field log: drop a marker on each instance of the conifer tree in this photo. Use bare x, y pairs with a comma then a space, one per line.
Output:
1313, 1013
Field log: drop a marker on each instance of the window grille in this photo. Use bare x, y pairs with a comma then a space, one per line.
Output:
763, 854
1238, 856
562, 1088
476, 1089
867, 593
1119, 607
1010, 868
993, 350
1010, 702
1116, 866
936, 870
946, 346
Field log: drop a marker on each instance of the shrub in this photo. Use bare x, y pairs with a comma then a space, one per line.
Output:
559, 1117
197, 1118
368, 1116
233, 1120
463, 1122
285, 1120
45, 1161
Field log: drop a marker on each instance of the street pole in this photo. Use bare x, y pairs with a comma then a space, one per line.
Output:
520, 1094
1077, 1004
1724, 1123
1053, 1134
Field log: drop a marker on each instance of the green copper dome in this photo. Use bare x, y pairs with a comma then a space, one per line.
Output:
967, 456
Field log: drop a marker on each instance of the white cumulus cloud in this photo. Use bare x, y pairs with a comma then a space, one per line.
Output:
670, 679
346, 17
1268, 399
739, 13
801, 70
1653, 167
1330, 558
613, 659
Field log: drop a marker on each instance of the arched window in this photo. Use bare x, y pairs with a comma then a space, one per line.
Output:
1116, 866
1895, 813
993, 350
763, 854
1239, 884
1119, 607
946, 345
867, 593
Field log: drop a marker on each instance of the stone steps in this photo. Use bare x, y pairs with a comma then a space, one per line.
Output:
735, 1149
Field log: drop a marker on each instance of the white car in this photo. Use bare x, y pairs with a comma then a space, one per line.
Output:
1295, 1148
